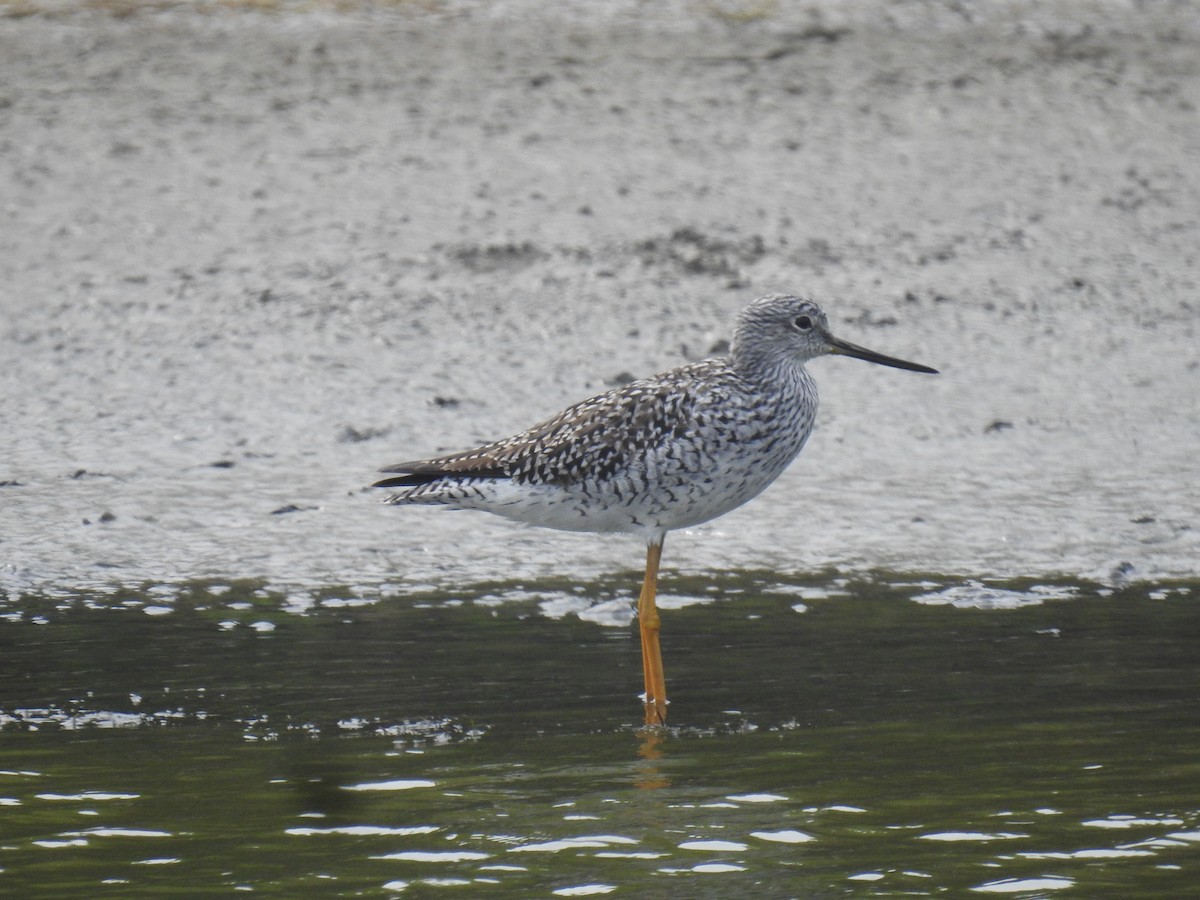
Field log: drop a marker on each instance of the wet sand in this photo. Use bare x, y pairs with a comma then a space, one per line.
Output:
247, 258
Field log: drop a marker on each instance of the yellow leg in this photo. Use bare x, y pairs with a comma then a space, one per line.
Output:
655, 697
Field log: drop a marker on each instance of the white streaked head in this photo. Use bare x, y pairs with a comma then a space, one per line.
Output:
782, 330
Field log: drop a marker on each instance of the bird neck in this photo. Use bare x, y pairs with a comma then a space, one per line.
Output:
772, 373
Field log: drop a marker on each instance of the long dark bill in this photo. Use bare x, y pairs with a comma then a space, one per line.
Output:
845, 348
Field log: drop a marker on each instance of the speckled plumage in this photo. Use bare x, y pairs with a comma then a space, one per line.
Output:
666, 452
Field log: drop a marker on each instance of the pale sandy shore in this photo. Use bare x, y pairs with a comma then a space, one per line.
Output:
247, 257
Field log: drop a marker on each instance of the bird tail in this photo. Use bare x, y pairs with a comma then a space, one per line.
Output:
406, 479
450, 469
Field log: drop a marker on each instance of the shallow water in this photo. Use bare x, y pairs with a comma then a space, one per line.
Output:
828, 737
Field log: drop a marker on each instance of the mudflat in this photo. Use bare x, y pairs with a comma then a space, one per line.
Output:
248, 256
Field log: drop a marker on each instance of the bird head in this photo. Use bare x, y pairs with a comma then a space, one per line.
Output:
781, 328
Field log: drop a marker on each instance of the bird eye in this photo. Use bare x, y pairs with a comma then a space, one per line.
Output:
804, 323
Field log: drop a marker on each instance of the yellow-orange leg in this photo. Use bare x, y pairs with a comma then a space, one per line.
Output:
655, 697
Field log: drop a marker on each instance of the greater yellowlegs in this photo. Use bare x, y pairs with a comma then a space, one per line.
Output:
666, 452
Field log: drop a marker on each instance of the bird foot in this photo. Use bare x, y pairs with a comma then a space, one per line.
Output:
656, 710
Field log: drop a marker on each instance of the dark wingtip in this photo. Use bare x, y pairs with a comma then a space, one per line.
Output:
414, 474
410, 480
407, 474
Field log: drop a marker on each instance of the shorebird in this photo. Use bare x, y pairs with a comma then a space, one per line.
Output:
670, 451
